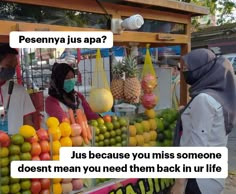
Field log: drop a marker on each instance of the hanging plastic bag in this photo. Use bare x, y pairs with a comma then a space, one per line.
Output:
148, 66
99, 77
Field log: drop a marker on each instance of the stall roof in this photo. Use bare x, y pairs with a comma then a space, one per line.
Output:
164, 5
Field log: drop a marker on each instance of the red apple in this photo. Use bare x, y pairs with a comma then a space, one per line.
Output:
35, 186
42, 134
45, 156
45, 191
32, 139
35, 158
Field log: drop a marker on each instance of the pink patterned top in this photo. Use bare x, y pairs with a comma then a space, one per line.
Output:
54, 109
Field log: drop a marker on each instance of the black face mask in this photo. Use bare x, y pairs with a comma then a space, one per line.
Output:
188, 75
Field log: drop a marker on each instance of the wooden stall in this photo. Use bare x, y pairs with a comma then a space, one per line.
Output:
155, 13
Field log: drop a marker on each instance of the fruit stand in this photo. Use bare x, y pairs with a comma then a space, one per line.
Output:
149, 128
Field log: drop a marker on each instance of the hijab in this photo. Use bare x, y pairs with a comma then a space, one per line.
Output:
59, 72
215, 77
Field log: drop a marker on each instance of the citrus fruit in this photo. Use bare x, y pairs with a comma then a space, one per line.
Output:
160, 124
65, 129
153, 135
5, 171
94, 123
25, 147
140, 140
14, 158
106, 135
66, 142
100, 121
132, 141
153, 124
150, 113
146, 125
114, 118
14, 188
139, 128
122, 122
107, 118
14, 149
101, 137
116, 124
4, 152
118, 139
4, 139
56, 157
4, 180
109, 126
14, 180
17, 139
27, 131
56, 180
25, 184
4, 189
112, 141
113, 133
35, 149
52, 122
118, 132
106, 142
45, 147
55, 132
152, 143
101, 143
102, 128
26, 192
97, 130
25, 156
56, 145
147, 137
132, 130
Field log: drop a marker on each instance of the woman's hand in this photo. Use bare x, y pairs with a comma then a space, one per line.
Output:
178, 188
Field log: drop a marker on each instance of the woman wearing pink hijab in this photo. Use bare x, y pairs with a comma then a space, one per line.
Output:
210, 115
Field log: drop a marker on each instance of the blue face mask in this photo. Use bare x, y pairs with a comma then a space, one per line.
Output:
69, 85
7, 73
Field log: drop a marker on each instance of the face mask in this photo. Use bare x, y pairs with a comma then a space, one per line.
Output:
69, 85
7, 73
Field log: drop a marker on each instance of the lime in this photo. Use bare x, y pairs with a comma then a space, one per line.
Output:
106, 142
112, 141
118, 145
96, 144
94, 123
118, 132
14, 149
96, 138
26, 147
116, 124
101, 137
102, 128
5, 171
124, 136
100, 143
114, 118
106, 135
124, 130
112, 133
118, 139
4, 152
14, 180
5, 189
14, 158
97, 130
100, 121
17, 139
4, 162
124, 143
122, 122
4, 180
109, 126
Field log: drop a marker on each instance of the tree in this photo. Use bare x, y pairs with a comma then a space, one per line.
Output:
223, 9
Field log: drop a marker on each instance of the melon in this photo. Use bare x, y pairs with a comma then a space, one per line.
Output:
100, 100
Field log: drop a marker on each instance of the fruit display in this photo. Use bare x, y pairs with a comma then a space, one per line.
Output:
110, 131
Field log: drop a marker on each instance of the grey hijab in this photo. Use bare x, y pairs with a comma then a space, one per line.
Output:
215, 78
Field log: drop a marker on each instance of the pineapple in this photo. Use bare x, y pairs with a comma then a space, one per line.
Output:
132, 86
117, 84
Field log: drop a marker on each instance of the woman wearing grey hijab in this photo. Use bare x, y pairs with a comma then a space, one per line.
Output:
211, 114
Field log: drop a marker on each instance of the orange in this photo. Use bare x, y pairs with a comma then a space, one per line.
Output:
52, 122
65, 129
56, 145
4, 152
55, 157
56, 180
66, 142
57, 188
35, 149
55, 132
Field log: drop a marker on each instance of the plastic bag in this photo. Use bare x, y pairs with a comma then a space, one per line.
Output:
99, 77
148, 66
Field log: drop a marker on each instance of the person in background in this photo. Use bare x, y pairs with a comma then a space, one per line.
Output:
175, 67
16, 107
62, 95
209, 116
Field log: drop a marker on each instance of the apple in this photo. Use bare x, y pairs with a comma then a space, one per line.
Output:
66, 180
35, 158
45, 183
75, 129
32, 139
4, 139
45, 156
77, 184
42, 134
35, 186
